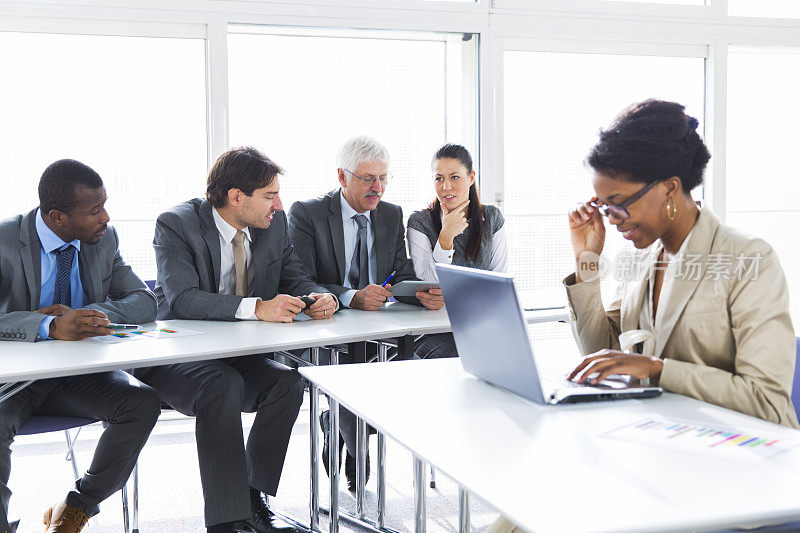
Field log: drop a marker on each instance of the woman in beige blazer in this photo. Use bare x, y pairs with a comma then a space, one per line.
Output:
713, 300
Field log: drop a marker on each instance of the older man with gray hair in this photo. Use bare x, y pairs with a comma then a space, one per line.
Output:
349, 242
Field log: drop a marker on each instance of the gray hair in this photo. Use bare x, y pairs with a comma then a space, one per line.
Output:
361, 149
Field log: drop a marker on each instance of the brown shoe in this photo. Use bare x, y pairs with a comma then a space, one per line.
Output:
61, 518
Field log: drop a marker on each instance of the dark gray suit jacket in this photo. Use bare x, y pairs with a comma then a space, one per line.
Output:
315, 229
188, 258
110, 284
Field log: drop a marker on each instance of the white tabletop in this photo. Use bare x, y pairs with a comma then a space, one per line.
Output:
20, 361
549, 469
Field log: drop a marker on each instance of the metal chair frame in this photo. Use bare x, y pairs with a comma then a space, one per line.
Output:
130, 513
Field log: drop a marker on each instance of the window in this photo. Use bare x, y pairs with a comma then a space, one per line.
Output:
132, 108
298, 95
761, 169
555, 104
764, 8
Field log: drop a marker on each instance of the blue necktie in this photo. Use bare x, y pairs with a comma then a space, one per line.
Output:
359, 263
63, 288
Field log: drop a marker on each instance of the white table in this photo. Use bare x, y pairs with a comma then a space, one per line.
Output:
548, 469
23, 361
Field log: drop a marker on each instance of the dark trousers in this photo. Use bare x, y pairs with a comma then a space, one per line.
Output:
435, 346
216, 393
130, 408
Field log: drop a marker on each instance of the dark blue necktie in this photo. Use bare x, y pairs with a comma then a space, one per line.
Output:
63, 288
359, 263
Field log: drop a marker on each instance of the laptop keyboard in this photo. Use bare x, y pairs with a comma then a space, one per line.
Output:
553, 378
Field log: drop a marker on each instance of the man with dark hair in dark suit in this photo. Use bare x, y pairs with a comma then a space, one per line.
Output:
62, 277
228, 257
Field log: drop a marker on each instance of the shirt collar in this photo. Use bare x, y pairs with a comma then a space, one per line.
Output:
348, 212
227, 231
49, 240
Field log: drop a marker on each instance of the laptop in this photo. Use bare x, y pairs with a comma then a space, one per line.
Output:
492, 340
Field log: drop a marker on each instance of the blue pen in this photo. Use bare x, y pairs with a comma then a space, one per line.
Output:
387, 279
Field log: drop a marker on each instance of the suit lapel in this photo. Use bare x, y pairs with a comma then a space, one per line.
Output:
91, 282
671, 307
211, 236
31, 255
379, 243
337, 231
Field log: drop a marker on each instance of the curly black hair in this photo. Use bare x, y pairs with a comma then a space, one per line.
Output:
652, 141
60, 180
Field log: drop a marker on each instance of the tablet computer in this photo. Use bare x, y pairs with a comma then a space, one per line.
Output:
410, 288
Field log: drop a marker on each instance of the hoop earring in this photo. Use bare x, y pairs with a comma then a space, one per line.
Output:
672, 209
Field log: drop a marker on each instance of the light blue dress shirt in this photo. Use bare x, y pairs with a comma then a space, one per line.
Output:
50, 243
350, 227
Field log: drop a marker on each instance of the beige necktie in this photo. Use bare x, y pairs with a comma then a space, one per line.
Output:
240, 262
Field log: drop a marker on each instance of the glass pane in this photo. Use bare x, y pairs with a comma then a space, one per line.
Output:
131, 108
299, 94
762, 182
764, 8
670, 2
549, 130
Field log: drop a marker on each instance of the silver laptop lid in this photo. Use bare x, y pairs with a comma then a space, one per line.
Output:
492, 339
491, 335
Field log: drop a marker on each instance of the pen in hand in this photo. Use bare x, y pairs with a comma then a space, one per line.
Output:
389, 278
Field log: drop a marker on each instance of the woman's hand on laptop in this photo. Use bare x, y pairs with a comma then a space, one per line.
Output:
598, 366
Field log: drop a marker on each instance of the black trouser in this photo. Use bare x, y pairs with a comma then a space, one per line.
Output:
217, 392
130, 408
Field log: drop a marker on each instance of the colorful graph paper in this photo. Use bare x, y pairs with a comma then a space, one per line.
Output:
151, 333
703, 438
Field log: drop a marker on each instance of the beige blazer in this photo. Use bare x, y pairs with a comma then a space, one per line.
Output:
725, 339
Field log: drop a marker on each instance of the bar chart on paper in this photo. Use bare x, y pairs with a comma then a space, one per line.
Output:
148, 333
702, 438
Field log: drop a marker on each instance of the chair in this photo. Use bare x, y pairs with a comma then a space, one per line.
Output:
791, 526
46, 424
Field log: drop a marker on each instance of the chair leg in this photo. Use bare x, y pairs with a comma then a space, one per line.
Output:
126, 525
433, 477
70, 453
135, 521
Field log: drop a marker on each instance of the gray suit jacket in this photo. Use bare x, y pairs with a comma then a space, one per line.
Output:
110, 284
188, 258
315, 229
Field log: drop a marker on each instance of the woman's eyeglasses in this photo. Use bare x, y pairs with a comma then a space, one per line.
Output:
620, 211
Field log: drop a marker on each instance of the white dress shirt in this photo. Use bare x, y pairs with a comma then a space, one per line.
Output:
425, 258
350, 227
646, 320
227, 274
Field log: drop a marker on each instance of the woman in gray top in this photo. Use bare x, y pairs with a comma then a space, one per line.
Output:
455, 229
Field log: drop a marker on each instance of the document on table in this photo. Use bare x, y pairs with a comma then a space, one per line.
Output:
147, 333
703, 438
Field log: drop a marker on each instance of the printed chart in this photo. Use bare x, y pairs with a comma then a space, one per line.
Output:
150, 333
703, 438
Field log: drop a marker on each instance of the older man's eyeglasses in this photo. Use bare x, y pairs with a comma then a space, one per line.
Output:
620, 211
370, 179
